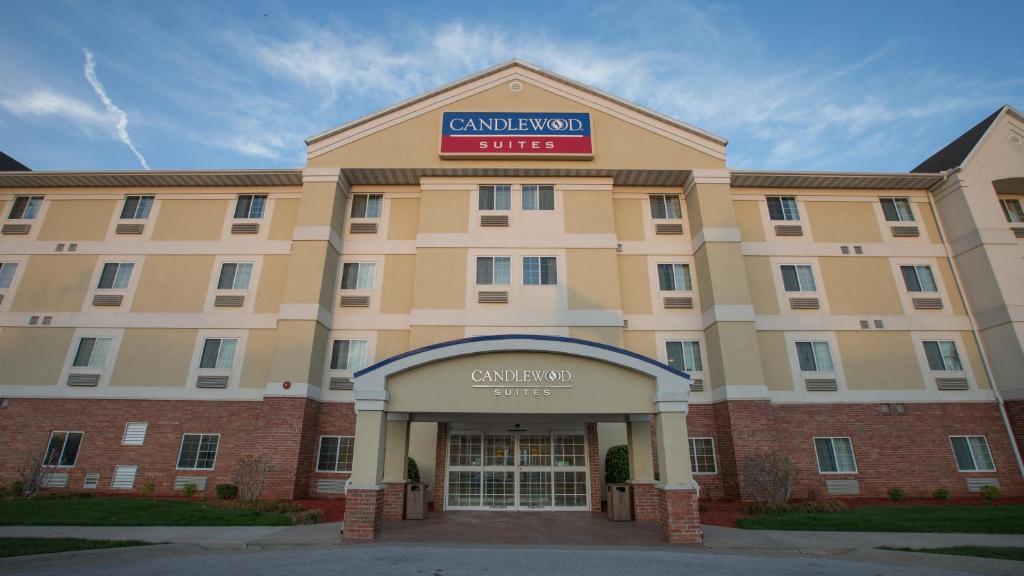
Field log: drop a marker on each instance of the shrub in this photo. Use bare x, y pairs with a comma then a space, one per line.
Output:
991, 493
616, 464
31, 474
896, 494
17, 489
251, 475
412, 471
307, 516
771, 476
148, 487
941, 493
274, 506
63, 495
823, 506
189, 490
227, 491
808, 507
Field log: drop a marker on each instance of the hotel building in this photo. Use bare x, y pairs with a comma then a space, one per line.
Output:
503, 278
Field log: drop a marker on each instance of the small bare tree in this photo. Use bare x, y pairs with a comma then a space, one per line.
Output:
251, 475
32, 474
771, 476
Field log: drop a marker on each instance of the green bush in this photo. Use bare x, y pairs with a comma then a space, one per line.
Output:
808, 507
941, 493
189, 490
412, 471
148, 487
227, 491
896, 494
991, 493
17, 489
616, 464
307, 516
275, 506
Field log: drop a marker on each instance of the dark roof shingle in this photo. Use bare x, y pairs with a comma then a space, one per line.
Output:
8, 164
954, 154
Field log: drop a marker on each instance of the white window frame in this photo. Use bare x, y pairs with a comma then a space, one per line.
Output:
46, 450
35, 217
124, 203
782, 297
264, 221
687, 274
917, 274
359, 275
364, 217
479, 191
663, 200
181, 447
900, 219
348, 355
319, 445
540, 268
683, 342
104, 372
250, 293
831, 439
796, 205
973, 457
769, 225
234, 278
906, 297
235, 373
493, 282
694, 466
8, 293
534, 190
119, 264
800, 288
794, 361
1004, 204
127, 294
248, 217
35, 224
370, 336
930, 375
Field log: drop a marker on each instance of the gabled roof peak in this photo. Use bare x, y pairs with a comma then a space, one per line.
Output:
954, 154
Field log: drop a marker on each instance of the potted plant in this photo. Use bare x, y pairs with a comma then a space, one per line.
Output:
616, 473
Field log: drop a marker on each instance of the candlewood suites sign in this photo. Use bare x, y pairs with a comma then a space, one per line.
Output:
496, 134
521, 383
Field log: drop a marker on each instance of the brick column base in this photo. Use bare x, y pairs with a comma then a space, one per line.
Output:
679, 516
593, 459
645, 501
364, 513
394, 500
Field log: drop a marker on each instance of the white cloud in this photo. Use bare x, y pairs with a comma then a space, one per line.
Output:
41, 103
121, 119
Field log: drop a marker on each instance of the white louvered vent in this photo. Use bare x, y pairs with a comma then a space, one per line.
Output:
83, 379
331, 485
842, 487
905, 232
668, 228
198, 481
978, 484
107, 300
821, 384
951, 383
129, 228
927, 303
1018, 232
134, 434
55, 480
804, 303
245, 228
15, 229
697, 385
92, 480
124, 477
229, 301
492, 297
354, 301
864, 325
340, 383
494, 220
677, 302
789, 230
363, 228
212, 382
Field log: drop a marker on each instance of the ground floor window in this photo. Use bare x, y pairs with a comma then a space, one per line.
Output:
835, 455
62, 450
335, 454
702, 456
972, 454
198, 451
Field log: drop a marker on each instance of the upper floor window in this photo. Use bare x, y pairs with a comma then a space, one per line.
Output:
684, 355
783, 208
897, 210
702, 456
972, 454
91, 353
234, 276
918, 278
1012, 209
815, 356
835, 455
367, 205
665, 206
335, 454
348, 355
7, 271
539, 270
116, 275
493, 270
198, 451
798, 278
25, 207
942, 356
497, 197
62, 450
218, 353
673, 277
136, 207
358, 275
250, 206
538, 197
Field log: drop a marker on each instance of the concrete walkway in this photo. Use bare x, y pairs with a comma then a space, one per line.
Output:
212, 537
812, 542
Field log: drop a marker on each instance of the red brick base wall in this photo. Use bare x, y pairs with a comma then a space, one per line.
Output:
364, 513
645, 502
679, 516
440, 466
1015, 413
594, 465
394, 500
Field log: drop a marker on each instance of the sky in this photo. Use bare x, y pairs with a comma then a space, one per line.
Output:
820, 85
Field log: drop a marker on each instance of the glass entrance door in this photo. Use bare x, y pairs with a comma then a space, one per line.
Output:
517, 471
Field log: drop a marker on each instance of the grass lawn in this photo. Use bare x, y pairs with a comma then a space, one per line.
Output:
128, 512
998, 552
26, 546
1007, 519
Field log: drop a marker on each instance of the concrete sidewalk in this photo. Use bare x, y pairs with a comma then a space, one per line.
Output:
814, 542
212, 537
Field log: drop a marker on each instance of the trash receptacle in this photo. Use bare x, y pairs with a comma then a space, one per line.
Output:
415, 501
620, 502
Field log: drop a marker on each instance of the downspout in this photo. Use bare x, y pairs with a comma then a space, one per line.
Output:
974, 325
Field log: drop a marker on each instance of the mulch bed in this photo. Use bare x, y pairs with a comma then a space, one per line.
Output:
334, 508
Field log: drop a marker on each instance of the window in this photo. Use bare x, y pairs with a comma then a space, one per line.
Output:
815, 356
919, 278
942, 356
198, 451
798, 278
116, 275
783, 208
493, 270
7, 271
496, 197
897, 210
218, 353
335, 454
25, 207
92, 353
972, 454
835, 455
234, 276
665, 207
367, 205
358, 275
1012, 209
702, 456
62, 449
136, 207
684, 355
539, 270
250, 206
672, 277
348, 355
538, 197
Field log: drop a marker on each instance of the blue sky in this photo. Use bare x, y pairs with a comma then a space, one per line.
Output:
823, 85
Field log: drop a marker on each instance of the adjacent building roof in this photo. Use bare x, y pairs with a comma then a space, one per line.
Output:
954, 154
8, 164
